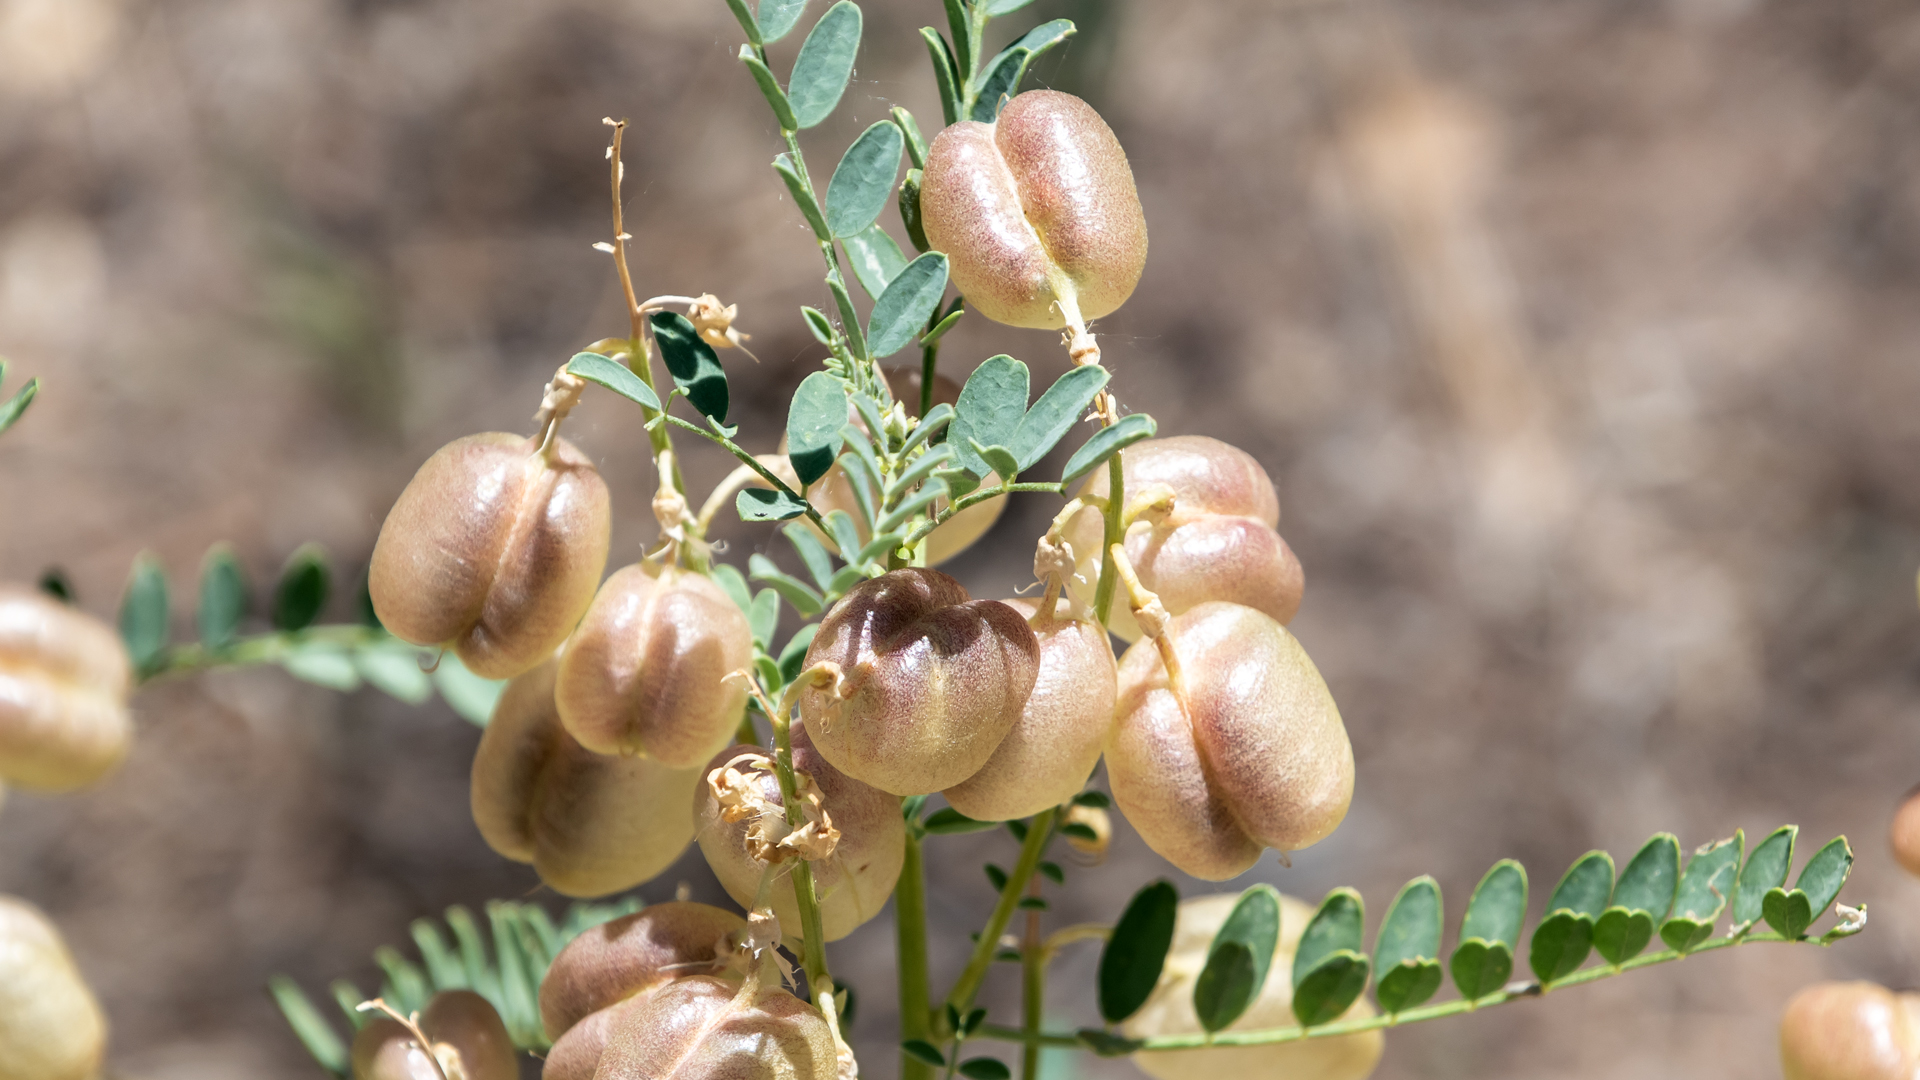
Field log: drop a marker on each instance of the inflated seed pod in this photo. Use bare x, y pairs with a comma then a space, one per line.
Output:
930, 680
1169, 1011
50, 1026
619, 959
493, 549
703, 1028
646, 672
852, 882
1904, 836
1247, 753
1218, 542
1850, 1031
1046, 759
591, 824
1035, 208
468, 1041
64, 679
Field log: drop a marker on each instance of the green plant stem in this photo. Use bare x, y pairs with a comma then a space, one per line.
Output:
910, 926
747, 459
1115, 533
972, 499
262, 649
837, 274
929, 365
1408, 1016
813, 953
1039, 831
1033, 989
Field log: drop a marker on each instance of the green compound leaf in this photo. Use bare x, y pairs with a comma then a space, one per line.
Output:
1130, 964
16, 406
1563, 939
1105, 443
763, 617
910, 210
874, 258
966, 39
1405, 952
797, 187
795, 592
996, 8
825, 63
471, 696
302, 589
989, 411
906, 304
691, 362
734, 584
777, 18
1620, 933
940, 328
615, 376
770, 89
845, 534
1106, 1044
312, 1029
1702, 894
817, 324
1491, 930
1239, 959
814, 420
922, 1050
984, 1068
946, 73
144, 616
910, 128
863, 181
1790, 913
947, 821
1766, 869
748, 23
393, 667
1001, 76
1329, 970
806, 543
223, 596
1331, 987
998, 458
1648, 882
794, 657
1055, 413
322, 664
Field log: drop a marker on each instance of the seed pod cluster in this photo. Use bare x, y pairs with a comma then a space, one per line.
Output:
740, 822
646, 672
1169, 1011
1036, 209
1244, 750
468, 1041
591, 824
64, 680
1217, 541
1850, 1031
494, 550
50, 1026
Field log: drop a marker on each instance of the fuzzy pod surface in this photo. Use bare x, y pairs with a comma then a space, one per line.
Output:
51, 1028
469, 1042
64, 681
494, 550
703, 1028
1850, 1031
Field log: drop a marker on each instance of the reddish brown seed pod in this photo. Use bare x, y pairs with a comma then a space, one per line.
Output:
646, 672
466, 1035
493, 549
852, 882
625, 957
1246, 753
1217, 542
591, 824
928, 681
64, 680
1169, 1011
702, 1028
1904, 836
1850, 1031
1036, 209
51, 1028
1048, 755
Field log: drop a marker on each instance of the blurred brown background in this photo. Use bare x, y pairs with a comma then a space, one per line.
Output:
1579, 337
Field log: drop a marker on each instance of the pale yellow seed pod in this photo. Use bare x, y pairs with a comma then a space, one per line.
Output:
64, 680
1063, 727
1170, 1010
467, 1038
1904, 836
703, 1028
1035, 208
494, 550
1248, 753
591, 824
1218, 543
646, 672
1850, 1031
51, 1028
852, 883
930, 682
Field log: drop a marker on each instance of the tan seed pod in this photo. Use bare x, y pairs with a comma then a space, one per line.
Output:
591, 824
646, 672
624, 957
1046, 759
929, 681
575, 1054
1218, 542
1850, 1031
51, 1028
64, 680
494, 550
852, 882
1169, 1011
1905, 833
1035, 208
466, 1035
702, 1028
1249, 754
